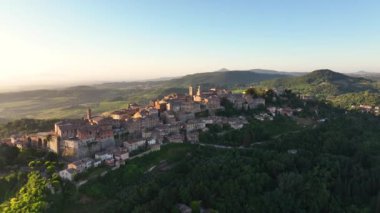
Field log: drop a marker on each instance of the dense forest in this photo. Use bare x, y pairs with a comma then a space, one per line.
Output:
16, 176
34, 196
349, 99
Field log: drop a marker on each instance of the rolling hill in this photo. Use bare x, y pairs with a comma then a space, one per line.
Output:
72, 102
324, 83
226, 78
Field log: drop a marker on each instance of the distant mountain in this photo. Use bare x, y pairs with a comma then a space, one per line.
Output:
324, 83
223, 70
278, 72
266, 71
364, 74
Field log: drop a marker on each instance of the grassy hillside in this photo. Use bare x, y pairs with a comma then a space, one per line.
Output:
324, 83
72, 102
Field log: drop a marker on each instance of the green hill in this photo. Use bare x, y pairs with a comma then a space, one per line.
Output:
226, 78
324, 83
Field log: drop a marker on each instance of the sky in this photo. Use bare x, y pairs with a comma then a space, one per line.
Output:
70, 41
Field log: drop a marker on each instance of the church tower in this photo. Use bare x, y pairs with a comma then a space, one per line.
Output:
190, 90
198, 97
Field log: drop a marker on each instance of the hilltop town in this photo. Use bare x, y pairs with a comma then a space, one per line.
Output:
110, 140
177, 118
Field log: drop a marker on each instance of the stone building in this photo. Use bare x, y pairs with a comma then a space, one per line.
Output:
82, 138
212, 102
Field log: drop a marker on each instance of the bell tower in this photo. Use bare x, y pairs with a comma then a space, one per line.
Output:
199, 91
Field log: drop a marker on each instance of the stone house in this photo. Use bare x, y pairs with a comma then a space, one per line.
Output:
81, 165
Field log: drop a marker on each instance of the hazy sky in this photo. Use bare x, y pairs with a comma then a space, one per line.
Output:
88, 40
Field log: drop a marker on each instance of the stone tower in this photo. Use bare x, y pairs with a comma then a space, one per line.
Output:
199, 91
89, 116
190, 90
